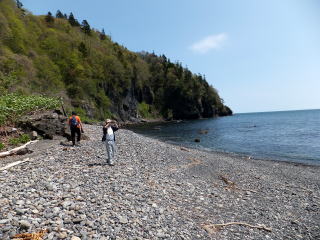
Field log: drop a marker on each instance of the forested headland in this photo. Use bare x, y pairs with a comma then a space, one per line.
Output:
57, 55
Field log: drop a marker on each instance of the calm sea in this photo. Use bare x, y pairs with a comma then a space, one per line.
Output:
284, 136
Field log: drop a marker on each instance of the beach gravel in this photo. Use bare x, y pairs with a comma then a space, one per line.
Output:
155, 191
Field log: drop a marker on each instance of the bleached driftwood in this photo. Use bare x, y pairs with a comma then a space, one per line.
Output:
184, 149
15, 150
14, 164
212, 228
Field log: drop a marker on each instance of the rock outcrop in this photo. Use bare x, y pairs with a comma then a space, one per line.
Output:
47, 124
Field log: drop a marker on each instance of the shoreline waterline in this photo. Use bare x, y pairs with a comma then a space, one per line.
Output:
290, 136
230, 154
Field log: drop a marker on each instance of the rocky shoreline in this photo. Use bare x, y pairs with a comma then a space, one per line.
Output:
155, 191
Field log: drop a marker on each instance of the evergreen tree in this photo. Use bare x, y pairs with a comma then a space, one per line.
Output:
83, 49
86, 27
49, 18
65, 16
102, 35
73, 22
59, 14
19, 4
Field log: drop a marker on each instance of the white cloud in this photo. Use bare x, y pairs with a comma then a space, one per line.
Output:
208, 43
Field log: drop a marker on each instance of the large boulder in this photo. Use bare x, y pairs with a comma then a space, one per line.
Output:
45, 123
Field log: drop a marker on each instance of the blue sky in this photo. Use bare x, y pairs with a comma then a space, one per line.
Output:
260, 55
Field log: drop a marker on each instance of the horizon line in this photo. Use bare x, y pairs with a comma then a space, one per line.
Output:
307, 109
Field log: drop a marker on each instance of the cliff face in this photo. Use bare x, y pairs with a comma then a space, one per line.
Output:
98, 78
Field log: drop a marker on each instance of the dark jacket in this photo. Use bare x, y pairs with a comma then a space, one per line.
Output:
105, 132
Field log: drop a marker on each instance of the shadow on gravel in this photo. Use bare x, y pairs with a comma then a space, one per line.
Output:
96, 164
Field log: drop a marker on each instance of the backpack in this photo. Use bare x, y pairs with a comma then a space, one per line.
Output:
73, 122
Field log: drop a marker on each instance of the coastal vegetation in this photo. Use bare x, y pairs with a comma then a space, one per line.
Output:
24, 138
12, 106
55, 55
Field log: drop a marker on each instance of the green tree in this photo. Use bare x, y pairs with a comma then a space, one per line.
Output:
19, 4
73, 22
102, 35
59, 14
86, 27
49, 18
83, 49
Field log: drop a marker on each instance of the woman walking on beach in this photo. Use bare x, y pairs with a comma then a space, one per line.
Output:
109, 138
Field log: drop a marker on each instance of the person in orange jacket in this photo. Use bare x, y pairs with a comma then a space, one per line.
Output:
75, 128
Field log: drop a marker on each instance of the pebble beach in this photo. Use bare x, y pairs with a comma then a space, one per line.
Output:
155, 191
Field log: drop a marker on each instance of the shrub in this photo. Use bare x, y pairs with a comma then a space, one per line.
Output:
143, 109
1, 146
6, 81
14, 141
146, 111
24, 138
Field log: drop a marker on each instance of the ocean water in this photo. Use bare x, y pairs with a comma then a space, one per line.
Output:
292, 136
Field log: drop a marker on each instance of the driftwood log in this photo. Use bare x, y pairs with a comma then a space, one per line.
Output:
15, 150
14, 164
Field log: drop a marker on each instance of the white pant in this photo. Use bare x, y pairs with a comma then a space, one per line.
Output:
111, 150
